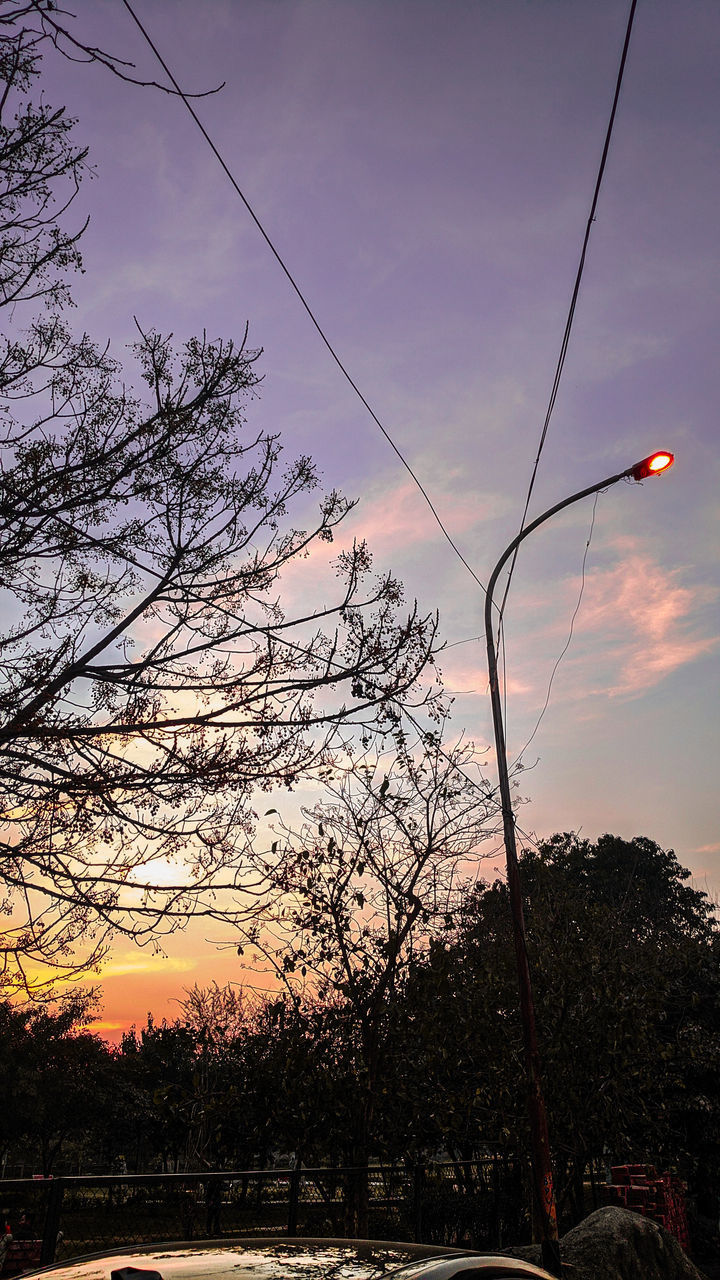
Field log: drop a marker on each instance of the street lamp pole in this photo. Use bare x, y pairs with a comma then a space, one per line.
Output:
543, 1188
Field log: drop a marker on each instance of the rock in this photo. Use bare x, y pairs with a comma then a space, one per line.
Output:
615, 1244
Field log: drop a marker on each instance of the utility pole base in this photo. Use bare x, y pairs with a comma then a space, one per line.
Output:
551, 1259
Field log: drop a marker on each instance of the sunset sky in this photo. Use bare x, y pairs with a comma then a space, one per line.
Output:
425, 168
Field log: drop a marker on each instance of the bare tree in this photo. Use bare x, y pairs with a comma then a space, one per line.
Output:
150, 681
373, 874
40, 174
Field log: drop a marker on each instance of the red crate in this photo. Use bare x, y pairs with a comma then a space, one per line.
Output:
660, 1196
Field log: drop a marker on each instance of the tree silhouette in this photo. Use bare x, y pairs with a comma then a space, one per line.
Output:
370, 877
150, 679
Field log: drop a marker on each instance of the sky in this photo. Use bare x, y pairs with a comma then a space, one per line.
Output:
425, 168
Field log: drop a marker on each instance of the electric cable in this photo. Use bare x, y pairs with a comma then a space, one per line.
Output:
470, 640
300, 295
573, 302
345, 372
567, 642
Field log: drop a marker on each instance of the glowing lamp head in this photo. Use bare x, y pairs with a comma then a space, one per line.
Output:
653, 465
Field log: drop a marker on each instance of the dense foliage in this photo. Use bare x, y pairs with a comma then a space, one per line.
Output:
624, 960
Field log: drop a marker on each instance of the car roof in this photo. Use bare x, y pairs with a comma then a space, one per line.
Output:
282, 1258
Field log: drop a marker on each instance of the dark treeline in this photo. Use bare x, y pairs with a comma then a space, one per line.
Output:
625, 956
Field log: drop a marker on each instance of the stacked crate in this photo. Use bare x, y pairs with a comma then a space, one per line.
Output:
660, 1196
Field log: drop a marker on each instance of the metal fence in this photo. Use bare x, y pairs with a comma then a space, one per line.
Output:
481, 1204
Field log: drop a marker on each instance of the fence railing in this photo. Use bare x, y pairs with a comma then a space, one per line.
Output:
481, 1204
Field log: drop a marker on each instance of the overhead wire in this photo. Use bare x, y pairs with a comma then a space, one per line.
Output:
323, 335
301, 296
556, 385
485, 790
569, 639
469, 640
354, 386
573, 301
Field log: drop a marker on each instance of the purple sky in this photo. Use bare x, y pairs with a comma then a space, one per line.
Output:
426, 167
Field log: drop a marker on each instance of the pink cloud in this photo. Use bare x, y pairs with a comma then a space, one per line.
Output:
392, 523
400, 517
463, 675
638, 623
647, 619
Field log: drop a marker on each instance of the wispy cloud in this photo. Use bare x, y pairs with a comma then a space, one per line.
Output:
638, 623
124, 965
649, 622
472, 676
397, 524
399, 519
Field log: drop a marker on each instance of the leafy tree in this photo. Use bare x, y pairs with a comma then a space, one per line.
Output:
295, 1081
620, 947
693, 1104
219, 1020
150, 681
50, 1079
640, 887
160, 1062
224, 1085
619, 940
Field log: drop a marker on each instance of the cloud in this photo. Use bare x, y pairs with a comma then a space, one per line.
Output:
648, 621
708, 848
472, 676
133, 964
399, 518
396, 523
638, 623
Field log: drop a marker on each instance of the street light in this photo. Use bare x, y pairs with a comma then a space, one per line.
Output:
540, 1144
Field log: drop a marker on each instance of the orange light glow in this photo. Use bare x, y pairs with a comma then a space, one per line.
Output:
652, 465
660, 461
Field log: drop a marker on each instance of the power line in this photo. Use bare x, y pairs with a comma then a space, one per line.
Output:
573, 300
343, 369
570, 635
485, 791
298, 291
470, 640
